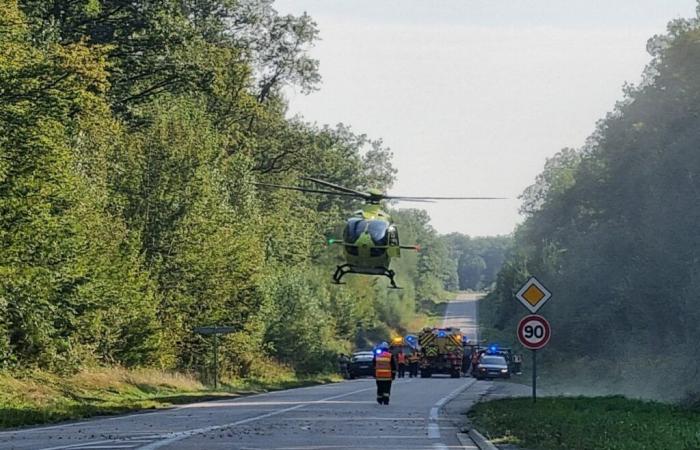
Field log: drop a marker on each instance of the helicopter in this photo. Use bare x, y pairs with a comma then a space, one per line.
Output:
370, 237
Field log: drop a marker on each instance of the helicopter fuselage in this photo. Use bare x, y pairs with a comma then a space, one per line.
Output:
370, 241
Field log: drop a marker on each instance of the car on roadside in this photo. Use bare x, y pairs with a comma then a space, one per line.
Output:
492, 366
361, 365
506, 352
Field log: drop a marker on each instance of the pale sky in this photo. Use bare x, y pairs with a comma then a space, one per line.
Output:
472, 96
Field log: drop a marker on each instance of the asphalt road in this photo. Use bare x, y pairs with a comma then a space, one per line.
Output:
463, 314
337, 416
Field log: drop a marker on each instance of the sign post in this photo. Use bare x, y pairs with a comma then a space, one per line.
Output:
533, 330
534, 376
534, 333
216, 331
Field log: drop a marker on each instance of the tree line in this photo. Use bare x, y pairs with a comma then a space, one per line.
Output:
610, 228
132, 136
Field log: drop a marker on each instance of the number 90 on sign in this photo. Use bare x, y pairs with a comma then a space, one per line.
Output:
534, 332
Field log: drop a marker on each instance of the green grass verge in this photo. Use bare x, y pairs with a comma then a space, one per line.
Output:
581, 423
39, 397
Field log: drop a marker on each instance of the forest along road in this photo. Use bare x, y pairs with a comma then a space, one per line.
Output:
336, 416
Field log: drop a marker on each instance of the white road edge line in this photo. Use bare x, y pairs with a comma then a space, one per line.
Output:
149, 438
34, 429
433, 427
109, 447
180, 435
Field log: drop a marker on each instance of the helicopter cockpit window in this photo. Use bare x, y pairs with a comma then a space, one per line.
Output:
353, 230
377, 230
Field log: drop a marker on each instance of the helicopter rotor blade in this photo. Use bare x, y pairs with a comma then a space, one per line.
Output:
303, 189
338, 187
372, 197
407, 199
421, 199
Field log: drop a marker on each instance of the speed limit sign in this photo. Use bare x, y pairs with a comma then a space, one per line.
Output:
534, 332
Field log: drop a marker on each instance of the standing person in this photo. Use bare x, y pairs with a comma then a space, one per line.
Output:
466, 361
384, 372
401, 360
413, 360
343, 362
517, 363
475, 361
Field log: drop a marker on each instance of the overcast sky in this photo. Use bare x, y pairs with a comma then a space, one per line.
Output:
473, 96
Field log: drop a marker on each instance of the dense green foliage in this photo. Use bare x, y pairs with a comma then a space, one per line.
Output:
598, 423
478, 259
131, 138
611, 229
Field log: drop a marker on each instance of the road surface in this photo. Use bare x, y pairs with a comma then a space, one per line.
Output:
463, 314
336, 416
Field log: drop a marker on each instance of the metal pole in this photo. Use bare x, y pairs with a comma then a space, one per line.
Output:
216, 360
534, 376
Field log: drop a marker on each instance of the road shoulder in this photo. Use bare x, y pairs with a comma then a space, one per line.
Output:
455, 412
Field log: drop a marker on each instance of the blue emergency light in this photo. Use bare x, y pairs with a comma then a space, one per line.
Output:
493, 348
377, 351
441, 333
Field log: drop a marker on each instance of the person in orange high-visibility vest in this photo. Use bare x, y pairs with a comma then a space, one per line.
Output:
413, 360
401, 361
384, 372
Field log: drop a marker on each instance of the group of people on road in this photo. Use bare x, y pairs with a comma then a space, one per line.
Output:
388, 366
409, 362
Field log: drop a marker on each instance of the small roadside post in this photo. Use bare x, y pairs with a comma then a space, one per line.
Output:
533, 330
216, 331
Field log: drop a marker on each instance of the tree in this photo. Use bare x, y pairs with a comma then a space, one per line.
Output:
66, 261
612, 224
169, 46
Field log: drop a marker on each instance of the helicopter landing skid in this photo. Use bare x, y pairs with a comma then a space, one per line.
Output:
345, 269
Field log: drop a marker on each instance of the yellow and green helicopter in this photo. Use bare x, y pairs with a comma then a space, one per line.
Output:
370, 238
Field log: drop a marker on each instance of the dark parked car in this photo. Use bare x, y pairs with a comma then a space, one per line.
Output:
361, 365
492, 366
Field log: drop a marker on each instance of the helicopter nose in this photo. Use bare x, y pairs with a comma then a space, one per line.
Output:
364, 241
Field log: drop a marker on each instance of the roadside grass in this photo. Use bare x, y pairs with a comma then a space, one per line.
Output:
37, 397
582, 423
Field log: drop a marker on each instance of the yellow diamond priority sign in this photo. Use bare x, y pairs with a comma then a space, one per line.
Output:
533, 295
